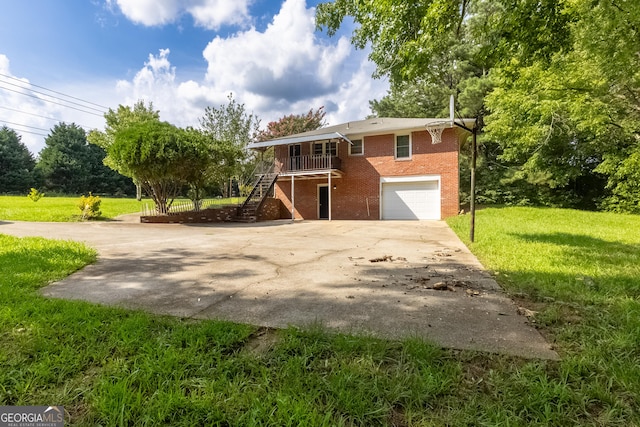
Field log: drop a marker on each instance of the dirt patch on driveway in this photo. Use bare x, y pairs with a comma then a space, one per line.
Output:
388, 279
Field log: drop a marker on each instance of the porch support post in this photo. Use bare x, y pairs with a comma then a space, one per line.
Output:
293, 200
330, 189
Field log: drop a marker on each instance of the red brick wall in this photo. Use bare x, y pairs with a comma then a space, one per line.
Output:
270, 210
360, 184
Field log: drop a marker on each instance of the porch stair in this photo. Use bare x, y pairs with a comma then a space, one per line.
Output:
248, 211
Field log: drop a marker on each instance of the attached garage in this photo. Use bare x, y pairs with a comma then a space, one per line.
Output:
410, 197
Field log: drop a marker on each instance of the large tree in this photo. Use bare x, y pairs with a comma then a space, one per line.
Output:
69, 165
571, 119
159, 156
227, 130
121, 118
437, 43
116, 120
62, 162
557, 81
16, 163
430, 50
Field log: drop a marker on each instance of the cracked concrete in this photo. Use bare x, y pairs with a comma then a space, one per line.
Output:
280, 273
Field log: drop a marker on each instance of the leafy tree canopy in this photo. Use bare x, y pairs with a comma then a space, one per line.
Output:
16, 163
556, 80
62, 162
292, 124
228, 129
116, 120
158, 155
574, 116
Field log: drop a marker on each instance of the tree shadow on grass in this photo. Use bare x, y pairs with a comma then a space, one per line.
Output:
607, 266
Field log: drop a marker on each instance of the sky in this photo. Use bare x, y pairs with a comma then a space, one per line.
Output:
182, 55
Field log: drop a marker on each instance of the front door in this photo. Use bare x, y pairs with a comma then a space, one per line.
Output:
323, 202
294, 157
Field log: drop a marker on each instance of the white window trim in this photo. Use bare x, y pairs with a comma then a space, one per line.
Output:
325, 148
395, 147
361, 143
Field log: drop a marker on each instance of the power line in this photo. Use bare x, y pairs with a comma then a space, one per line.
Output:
59, 93
32, 133
47, 100
26, 126
54, 97
44, 117
28, 131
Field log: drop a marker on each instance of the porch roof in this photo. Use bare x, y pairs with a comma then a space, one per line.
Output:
301, 137
358, 129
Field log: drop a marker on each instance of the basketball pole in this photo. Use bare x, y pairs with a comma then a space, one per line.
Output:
472, 202
474, 155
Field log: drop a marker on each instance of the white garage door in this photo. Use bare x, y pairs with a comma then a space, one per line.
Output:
411, 200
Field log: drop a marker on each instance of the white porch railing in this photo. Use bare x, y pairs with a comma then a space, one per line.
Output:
310, 163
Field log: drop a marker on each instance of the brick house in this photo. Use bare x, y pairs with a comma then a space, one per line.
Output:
381, 168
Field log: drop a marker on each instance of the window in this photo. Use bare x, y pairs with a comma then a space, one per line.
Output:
357, 148
332, 148
403, 147
326, 148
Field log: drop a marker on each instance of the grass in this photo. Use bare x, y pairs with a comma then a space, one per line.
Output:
60, 209
113, 367
109, 366
65, 209
581, 271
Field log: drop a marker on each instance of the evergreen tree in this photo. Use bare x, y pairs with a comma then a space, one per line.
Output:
16, 163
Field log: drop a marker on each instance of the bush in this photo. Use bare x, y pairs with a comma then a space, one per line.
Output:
35, 195
90, 206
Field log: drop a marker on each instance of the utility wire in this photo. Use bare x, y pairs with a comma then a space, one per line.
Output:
47, 100
32, 133
26, 126
44, 117
54, 97
59, 93
27, 131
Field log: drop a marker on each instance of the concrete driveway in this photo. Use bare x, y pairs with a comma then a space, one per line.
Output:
391, 279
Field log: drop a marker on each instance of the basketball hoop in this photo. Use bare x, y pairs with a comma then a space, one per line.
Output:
436, 134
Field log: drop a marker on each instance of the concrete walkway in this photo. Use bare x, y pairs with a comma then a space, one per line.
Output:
280, 273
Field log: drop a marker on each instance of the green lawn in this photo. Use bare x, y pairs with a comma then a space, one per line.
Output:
115, 367
581, 271
65, 209
61, 209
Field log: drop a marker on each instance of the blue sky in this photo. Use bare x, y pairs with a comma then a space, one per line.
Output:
180, 54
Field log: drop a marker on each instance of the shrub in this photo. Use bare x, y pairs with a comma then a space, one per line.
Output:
90, 206
35, 195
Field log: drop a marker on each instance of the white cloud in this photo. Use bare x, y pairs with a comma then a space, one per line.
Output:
150, 12
179, 103
210, 14
285, 62
285, 69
